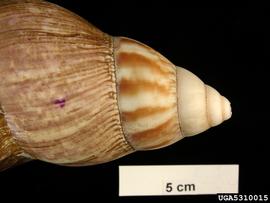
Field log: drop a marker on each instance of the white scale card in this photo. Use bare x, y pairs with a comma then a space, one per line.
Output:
178, 180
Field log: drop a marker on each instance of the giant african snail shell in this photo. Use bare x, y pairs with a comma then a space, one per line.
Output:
73, 95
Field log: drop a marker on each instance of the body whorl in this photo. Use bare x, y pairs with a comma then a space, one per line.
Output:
57, 85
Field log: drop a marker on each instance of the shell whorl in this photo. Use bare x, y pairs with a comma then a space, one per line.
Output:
147, 95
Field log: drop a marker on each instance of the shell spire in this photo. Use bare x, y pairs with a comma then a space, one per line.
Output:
160, 103
200, 106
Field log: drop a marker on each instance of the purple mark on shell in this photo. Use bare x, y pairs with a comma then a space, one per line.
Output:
60, 102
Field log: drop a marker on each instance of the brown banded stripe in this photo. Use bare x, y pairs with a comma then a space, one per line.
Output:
146, 95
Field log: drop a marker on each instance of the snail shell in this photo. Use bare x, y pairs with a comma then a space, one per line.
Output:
73, 95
